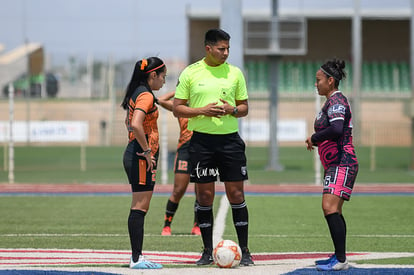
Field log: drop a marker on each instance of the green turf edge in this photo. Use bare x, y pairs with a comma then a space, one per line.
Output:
389, 261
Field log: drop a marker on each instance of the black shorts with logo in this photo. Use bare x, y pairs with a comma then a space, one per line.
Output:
213, 156
136, 169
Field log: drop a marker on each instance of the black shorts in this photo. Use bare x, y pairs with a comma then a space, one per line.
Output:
213, 156
339, 180
182, 159
136, 169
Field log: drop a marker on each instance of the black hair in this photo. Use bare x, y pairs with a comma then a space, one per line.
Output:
334, 68
214, 35
140, 75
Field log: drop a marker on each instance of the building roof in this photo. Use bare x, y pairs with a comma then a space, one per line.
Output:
18, 53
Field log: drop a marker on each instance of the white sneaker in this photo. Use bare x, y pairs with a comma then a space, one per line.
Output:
143, 264
325, 261
333, 265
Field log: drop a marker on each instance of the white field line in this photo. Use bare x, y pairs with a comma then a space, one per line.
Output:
116, 261
220, 220
219, 225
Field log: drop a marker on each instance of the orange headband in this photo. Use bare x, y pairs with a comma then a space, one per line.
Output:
144, 63
156, 68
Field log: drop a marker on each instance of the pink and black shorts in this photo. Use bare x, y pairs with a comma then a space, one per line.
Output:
339, 180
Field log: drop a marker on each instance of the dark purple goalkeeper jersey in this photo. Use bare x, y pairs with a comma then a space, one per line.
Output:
339, 151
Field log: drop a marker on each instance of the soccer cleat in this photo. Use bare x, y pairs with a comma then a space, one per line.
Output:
333, 265
166, 231
195, 230
246, 257
206, 257
325, 261
143, 264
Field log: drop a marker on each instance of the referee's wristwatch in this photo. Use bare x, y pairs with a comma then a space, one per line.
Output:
235, 110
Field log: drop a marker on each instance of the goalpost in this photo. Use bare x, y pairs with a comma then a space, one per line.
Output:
317, 163
11, 140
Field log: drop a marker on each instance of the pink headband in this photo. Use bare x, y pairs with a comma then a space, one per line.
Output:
156, 68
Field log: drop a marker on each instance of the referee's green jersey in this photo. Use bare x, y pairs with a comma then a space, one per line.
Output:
201, 84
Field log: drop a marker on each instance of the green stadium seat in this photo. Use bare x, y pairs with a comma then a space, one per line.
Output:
395, 77
405, 77
282, 77
385, 76
376, 77
262, 76
251, 77
298, 77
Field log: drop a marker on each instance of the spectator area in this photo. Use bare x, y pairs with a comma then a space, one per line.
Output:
298, 77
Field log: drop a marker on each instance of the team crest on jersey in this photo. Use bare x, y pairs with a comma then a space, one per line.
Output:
319, 115
336, 109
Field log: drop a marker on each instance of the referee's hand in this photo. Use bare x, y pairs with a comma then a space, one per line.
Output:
214, 110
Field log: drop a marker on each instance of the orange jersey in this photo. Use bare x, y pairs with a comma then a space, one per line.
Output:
144, 101
185, 134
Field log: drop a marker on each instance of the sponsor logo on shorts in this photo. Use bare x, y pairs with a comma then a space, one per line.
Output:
244, 170
205, 172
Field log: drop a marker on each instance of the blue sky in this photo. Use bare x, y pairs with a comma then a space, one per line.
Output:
122, 29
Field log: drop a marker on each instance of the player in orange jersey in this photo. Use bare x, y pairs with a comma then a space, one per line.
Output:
181, 171
141, 154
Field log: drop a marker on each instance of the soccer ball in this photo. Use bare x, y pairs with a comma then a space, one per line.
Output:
227, 254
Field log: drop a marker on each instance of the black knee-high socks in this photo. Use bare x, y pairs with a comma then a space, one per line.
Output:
195, 212
337, 228
170, 210
136, 232
241, 222
343, 219
205, 222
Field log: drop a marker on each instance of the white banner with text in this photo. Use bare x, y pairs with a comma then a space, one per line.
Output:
287, 130
45, 131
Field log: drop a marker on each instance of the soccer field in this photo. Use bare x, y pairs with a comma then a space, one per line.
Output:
285, 228
376, 223
62, 164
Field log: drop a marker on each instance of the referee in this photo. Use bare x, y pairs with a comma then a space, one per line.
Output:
213, 94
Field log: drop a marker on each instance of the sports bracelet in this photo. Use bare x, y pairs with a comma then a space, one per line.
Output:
146, 152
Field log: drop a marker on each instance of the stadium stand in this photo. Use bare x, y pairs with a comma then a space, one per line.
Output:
297, 78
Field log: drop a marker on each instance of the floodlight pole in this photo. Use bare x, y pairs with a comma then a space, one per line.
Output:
412, 83
273, 87
356, 74
231, 20
11, 136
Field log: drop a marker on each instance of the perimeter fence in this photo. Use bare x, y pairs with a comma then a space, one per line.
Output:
95, 106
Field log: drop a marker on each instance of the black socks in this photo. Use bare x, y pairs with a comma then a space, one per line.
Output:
337, 227
195, 212
169, 212
241, 222
136, 232
205, 222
